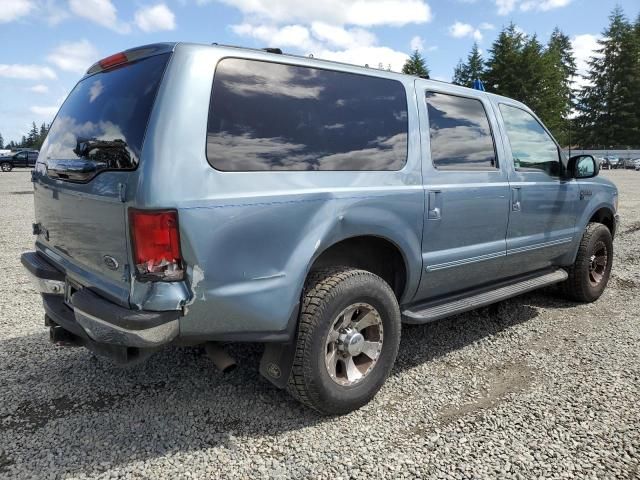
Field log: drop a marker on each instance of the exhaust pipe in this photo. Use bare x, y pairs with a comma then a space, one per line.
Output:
220, 358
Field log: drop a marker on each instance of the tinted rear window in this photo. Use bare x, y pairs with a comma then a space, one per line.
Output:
112, 106
270, 116
460, 133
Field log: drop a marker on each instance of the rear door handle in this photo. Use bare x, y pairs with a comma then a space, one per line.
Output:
515, 199
434, 207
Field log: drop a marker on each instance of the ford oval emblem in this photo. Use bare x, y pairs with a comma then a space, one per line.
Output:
110, 262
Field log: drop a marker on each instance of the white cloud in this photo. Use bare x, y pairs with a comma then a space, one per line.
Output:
486, 26
27, 72
543, 5
47, 112
330, 42
505, 7
584, 47
155, 18
296, 36
364, 13
74, 56
341, 37
462, 30
375, 57
39, 88
14, 9
417, 43
102, 12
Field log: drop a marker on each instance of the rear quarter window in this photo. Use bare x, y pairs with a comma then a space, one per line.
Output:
268, 116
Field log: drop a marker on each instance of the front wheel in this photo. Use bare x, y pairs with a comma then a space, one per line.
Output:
6, 167
348, 339
589, 275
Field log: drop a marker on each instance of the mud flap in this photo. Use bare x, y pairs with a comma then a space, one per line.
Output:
276, 362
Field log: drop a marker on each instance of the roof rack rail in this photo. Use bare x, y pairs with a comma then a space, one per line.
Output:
273, 50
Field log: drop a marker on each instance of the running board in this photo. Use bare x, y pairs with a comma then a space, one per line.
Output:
435, 310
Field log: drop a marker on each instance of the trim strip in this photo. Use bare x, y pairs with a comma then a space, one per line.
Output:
464, 261
490, 256
537, 246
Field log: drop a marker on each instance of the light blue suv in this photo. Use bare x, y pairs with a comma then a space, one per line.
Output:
195, 194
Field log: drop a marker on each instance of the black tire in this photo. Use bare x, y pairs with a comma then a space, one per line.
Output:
582, 285
328, 292
6, 167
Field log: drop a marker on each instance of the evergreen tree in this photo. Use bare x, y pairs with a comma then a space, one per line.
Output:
559, 68
32, 138
606, 104
416, 65
1, 141
502, 75
473, 69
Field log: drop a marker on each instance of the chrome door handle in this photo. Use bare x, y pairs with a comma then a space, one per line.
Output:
515, 199
434, 211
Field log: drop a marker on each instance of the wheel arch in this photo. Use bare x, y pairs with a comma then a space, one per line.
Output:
605, 216
375, 253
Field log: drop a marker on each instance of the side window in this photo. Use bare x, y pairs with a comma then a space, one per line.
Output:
271, 116
531, 146
460, 134
33, 156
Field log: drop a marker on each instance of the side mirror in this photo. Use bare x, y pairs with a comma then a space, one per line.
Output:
583, 166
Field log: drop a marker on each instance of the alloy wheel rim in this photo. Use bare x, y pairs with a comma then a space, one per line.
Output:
598, 263
353, 344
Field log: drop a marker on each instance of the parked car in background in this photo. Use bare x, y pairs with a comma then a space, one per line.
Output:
604, 163
636, 164
629, 163
614, 162
197, 194
21, 158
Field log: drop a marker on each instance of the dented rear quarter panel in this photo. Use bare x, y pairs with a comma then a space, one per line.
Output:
249, 238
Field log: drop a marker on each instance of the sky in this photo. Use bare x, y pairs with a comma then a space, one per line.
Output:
47, 45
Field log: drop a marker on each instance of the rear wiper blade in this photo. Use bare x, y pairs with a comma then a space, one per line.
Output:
113, 153
85, 145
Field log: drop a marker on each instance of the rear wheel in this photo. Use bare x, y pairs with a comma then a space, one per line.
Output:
347, 342
6, 167
589, 275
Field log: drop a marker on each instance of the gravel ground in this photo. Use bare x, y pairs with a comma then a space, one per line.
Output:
534, 387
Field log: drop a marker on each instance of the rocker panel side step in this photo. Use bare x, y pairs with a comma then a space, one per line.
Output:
428, 312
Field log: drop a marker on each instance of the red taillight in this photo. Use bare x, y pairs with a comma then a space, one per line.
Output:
156, 244
113, 60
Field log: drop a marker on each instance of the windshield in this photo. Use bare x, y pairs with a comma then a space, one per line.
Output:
105, 116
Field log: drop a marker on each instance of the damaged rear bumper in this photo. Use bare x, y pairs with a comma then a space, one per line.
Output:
95, 319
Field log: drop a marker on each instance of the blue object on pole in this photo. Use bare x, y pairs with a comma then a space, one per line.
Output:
478, 85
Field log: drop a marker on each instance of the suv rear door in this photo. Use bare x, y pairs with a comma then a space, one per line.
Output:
85, 168
466, 190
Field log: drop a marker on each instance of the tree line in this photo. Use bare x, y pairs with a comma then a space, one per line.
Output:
33, 139
600, 109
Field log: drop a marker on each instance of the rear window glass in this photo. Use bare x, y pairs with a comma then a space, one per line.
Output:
460, 133
105, 116
270, 116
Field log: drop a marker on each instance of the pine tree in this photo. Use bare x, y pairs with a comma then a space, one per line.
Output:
416, 65
473, 69
32, 138
635, 82
502, 75
606, 104
1, 141
559, 69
